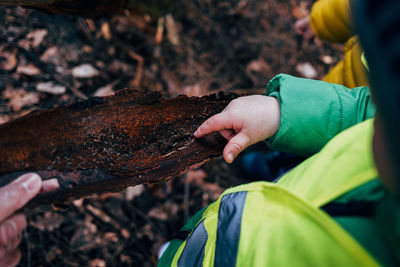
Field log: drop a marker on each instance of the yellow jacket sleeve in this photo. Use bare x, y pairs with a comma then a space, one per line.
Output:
331, 20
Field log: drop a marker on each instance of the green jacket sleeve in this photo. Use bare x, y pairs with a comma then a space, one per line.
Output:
312, 112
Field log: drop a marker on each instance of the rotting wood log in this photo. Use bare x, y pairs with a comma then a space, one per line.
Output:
95, 8
106, 144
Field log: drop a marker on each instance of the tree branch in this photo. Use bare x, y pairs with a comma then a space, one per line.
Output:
107, 144
95, 8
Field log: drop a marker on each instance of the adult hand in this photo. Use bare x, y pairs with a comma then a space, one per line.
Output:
245, 121
12, 198
303, 28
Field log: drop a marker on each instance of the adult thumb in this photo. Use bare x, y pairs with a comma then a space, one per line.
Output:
16, 194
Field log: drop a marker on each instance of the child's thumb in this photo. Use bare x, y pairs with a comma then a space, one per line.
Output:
236, 145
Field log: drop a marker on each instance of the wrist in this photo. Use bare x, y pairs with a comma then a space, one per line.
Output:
275, 115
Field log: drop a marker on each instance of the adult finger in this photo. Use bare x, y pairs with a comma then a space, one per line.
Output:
12, 246
236, 145
215, 123
12, 260
49, 185
15, 195
11, 228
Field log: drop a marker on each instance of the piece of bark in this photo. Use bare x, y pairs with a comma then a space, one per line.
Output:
106, 144
97, 8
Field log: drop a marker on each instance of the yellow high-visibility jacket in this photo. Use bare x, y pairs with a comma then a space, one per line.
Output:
285, 224
331, 20
266, 224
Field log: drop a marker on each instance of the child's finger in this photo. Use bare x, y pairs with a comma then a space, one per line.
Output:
227, 134
236, 145
215, 123
299, 27
308, 34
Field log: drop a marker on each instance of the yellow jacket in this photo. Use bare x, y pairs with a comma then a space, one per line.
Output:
331, 20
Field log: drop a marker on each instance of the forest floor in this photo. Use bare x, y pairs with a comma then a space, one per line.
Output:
196, 48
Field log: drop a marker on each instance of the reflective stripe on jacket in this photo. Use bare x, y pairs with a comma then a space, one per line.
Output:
264, 224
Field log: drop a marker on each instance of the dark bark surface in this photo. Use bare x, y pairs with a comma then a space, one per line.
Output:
94, 8
106, 144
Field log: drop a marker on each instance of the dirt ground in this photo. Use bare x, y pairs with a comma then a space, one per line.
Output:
195, 48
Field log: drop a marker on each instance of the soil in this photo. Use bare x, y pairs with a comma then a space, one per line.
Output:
207, 46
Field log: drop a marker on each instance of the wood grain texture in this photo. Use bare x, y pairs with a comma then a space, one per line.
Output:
95, 8
107, 144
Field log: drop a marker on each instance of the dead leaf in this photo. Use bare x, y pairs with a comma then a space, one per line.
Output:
126, 259
19, 98
256, 70
99, 213
87, 49
158, 213
36, 37
51, 88
97, 263
111, 236
134, 191
105, 31
172, 31
301, 10
307, 70
8, 58
125, 233
258, 65
105, 91
194, 90
29, 70
78, 203
84, 71
48, 222
51, 55
327, 59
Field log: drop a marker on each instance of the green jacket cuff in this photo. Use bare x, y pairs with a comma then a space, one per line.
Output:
313, 112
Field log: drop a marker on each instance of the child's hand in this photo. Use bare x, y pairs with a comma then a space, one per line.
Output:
303, 27
245, 121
